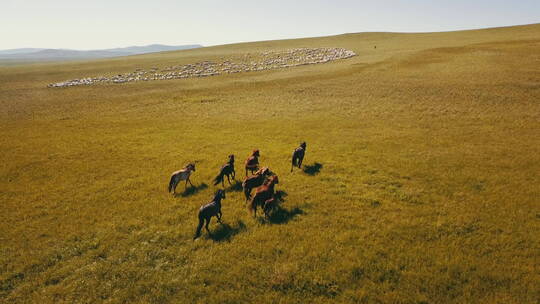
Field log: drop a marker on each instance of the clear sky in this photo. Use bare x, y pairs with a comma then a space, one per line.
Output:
92, 24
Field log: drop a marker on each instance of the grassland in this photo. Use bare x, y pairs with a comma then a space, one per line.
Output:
428, 191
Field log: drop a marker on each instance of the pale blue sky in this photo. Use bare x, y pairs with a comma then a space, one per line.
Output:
92, 24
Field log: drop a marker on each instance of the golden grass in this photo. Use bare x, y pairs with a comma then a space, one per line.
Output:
428, 190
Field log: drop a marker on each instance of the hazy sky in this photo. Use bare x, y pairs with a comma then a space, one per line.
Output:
92, 24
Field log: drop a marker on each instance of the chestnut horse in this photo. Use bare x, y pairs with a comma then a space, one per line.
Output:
263, 194
252, 163
228, 170
298, 156
255, 181
209, 210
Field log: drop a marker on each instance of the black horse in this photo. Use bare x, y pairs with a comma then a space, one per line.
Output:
228, 170
298, 156
209, 210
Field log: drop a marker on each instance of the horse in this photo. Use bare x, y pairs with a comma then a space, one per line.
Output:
179, 175
264, 193
252, 163
298, 156
270, 205
255, 181
209, 210
228, 170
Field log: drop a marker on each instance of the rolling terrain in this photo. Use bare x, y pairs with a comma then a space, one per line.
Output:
420, 185
33, 55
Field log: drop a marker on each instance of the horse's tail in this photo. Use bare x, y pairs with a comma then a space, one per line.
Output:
199, 227
218, 178
171, 183
246, 190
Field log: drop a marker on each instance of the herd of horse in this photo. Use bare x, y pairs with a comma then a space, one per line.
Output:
261, 179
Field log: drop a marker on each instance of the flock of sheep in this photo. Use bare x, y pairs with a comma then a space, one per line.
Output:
248, 63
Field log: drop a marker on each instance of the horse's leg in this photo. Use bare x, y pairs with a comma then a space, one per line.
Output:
208, 219
189, 180
246, 193
219, 217
176, 181
265, 209
228, 178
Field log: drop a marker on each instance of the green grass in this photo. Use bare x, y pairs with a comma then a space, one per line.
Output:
427, 191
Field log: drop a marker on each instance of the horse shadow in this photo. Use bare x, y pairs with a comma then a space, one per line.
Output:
236, 186
192, 190
313, 169
283, 216
224, 231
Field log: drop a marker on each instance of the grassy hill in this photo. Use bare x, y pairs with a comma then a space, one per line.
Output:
421, 183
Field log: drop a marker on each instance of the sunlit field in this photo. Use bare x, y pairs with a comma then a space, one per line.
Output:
420, 181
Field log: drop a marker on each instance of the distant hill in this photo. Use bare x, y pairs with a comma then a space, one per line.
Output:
19, 51
40, 54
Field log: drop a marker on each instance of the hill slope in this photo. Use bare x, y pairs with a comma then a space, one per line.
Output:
419, 185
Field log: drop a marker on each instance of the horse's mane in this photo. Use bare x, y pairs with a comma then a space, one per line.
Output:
217, 196
261, 170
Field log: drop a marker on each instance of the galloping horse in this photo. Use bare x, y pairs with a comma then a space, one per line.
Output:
298, 156
255, 181
227, 169
209, 210
252, 163
263, 194
179, 175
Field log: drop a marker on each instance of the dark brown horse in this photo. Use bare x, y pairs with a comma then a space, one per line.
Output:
252, 163
228, 170
298, 156
255, 181
209, 210
264, 193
